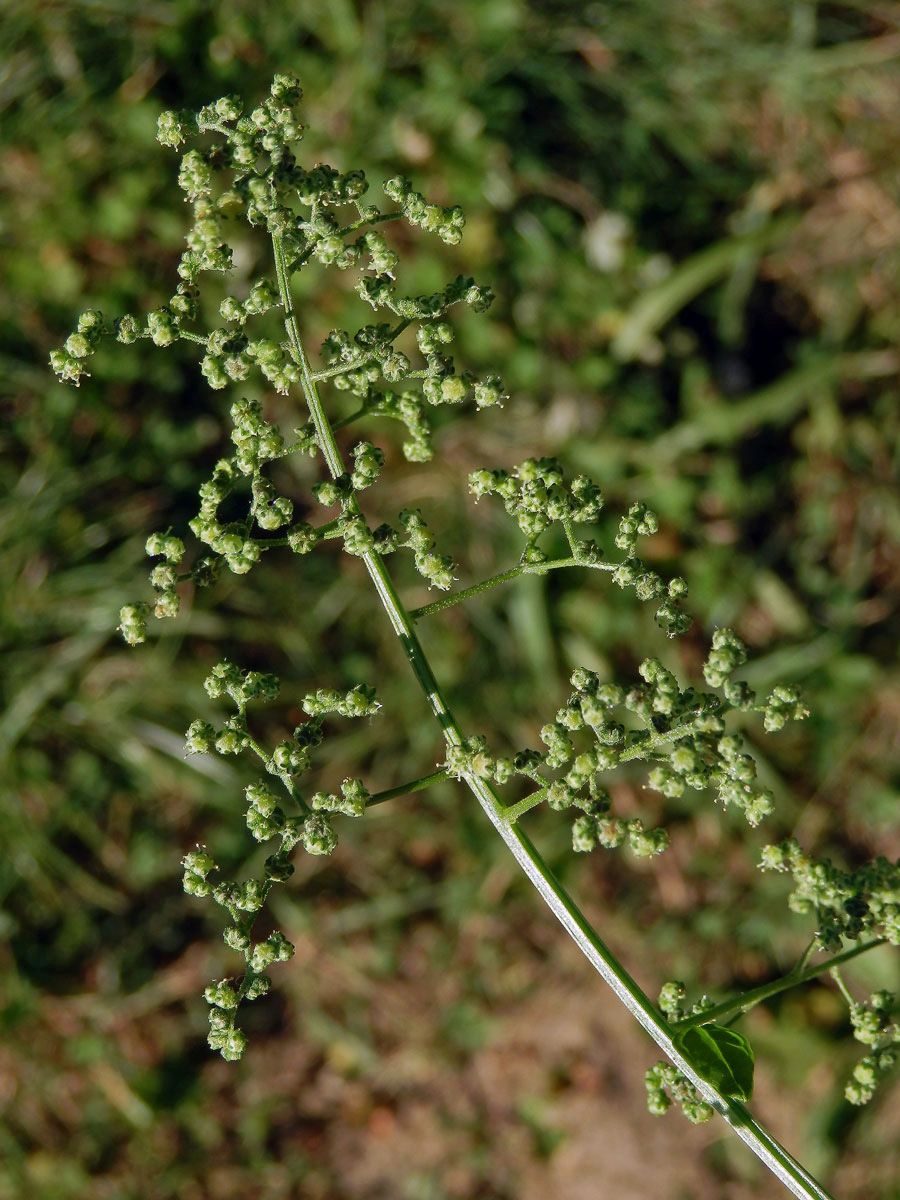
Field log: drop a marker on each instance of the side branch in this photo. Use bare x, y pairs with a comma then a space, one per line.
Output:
407, 789
513, 573
747, 1000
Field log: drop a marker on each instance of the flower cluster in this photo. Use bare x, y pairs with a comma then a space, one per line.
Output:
475, 760
681, 731
846, 904
67, 362
243, 166
664, 1084
537, 495
310, 826
872, 1025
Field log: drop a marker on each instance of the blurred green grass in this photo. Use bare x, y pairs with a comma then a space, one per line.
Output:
691, 217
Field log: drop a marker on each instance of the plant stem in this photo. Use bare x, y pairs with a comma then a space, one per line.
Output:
522, 569
514, 811
780, 1162
805, 956
747, 1000
407, 789
835, 974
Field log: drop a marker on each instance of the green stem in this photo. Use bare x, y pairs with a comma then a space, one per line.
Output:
407, 789
342, 422
747, 1000
513, 573
835, 974
805, 956
514, 811
563, 907
379, 219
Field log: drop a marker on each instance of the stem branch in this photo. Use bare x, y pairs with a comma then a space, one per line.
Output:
747, 1000
407, 789
513, 573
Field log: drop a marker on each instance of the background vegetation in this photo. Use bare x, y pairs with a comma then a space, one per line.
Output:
691, 215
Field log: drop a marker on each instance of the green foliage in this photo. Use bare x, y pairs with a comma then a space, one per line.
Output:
723, 1056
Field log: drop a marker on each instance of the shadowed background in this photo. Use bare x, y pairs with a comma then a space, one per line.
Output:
691, 217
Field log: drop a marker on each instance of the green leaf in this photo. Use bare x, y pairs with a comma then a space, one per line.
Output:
722, 1056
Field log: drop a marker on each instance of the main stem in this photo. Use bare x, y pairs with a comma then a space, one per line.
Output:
790, 1172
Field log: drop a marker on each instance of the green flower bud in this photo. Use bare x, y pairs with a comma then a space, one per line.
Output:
128, 329
250, 896
727, 654
258, 987
170, 129
133, 623
263, 955
236, 939
397, 188
162, 327
645, 843
453, 390
68, 369
233, 1047
200, 737
231, 741
195, 176
165, 546
560, 796
318, 836
584, 835
278, 869
232, 310
367, 463
611, 832
221, 995
361, 701
302, 538
385, 539
670, 1000
289, 759
78, 345
228, 108
489, 392
262, 798
783, 705
329, 492
263, 827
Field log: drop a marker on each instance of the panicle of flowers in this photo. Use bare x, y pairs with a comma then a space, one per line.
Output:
310, 826
846, 904
243, 166
537, 495
602, 726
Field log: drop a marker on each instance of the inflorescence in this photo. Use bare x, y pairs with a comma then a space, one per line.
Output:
242, 168
309, 825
